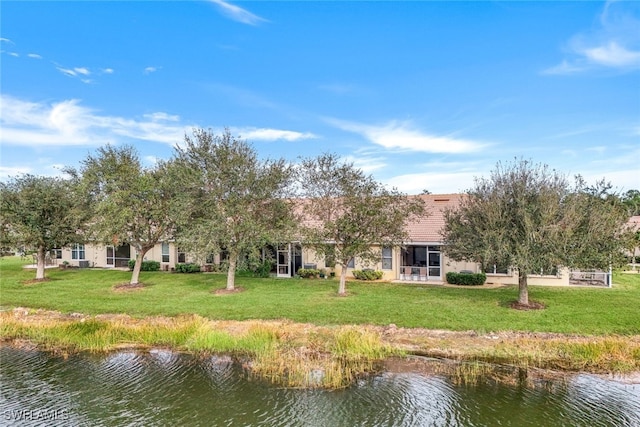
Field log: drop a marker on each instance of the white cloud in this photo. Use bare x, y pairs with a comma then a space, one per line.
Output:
159, 116
401, 136
6, 171
68, 123
615, 44
237, 13
14, 54
107, 71
366, 164
150, 70
6, 40
613, 55
79, 72
435, 182
34, 56
67, 71
266, 134
82, 70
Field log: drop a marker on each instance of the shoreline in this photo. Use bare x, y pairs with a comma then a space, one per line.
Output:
292, 354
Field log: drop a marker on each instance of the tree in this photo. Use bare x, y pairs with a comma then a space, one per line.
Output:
42, 213
631, 199
349, 214
237, 202
131, 204
528, 217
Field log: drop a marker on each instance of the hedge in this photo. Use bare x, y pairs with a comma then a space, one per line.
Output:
187, 268
466, 279
367, 274
146, 265
308, 273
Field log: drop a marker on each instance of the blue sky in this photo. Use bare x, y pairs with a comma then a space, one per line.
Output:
423, 95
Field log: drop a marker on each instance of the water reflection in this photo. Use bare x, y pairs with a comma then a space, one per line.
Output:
163, 388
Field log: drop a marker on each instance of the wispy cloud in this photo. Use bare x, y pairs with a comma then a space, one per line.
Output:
615, 44
80, 73
149, 70
435, 182
34, 56
6, 40
366, 164
68, 123
402, 136
267, 134
237, 13
107, 71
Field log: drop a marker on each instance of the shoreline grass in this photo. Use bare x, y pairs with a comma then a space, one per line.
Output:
298, 333
298, 355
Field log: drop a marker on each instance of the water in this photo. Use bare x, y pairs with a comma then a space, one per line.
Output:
162, 388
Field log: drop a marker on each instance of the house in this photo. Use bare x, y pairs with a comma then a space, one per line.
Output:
420, 259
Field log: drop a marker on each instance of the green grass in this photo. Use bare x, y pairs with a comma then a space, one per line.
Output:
569, 310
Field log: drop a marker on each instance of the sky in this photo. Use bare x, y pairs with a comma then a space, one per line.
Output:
422, 95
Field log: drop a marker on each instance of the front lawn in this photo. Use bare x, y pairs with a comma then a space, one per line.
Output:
90, 291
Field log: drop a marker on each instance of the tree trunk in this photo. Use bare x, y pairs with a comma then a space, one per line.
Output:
135, 276
523, 295
342, 289
40, 258
231, 273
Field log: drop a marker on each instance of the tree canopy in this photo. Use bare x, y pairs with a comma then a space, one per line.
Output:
349, 214
41, 213
528, 217
131, 204
236, 201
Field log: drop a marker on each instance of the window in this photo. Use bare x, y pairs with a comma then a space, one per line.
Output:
56, 253
387, 260
352, 263
165, 252
210, 258
182, 257
77, 251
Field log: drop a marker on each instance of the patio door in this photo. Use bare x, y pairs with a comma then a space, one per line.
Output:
118, 256
433, 255
283, 258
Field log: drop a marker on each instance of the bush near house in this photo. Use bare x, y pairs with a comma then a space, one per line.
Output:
367, 274
146, 265
187, 268
308, 273
466, 279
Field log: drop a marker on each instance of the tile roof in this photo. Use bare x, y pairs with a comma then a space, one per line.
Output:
424, 230
428, 229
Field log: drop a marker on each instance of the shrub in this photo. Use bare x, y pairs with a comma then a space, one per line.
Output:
263, 269
146, 265
187, 268
308, 273
367, 274
466, 279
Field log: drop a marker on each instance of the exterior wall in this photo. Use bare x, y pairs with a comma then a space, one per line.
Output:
562, 279
96, 255
310, 257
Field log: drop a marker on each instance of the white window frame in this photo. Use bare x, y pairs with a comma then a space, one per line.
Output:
388, 258
78, 251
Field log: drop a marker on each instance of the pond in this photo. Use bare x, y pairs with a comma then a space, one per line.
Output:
160, 388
